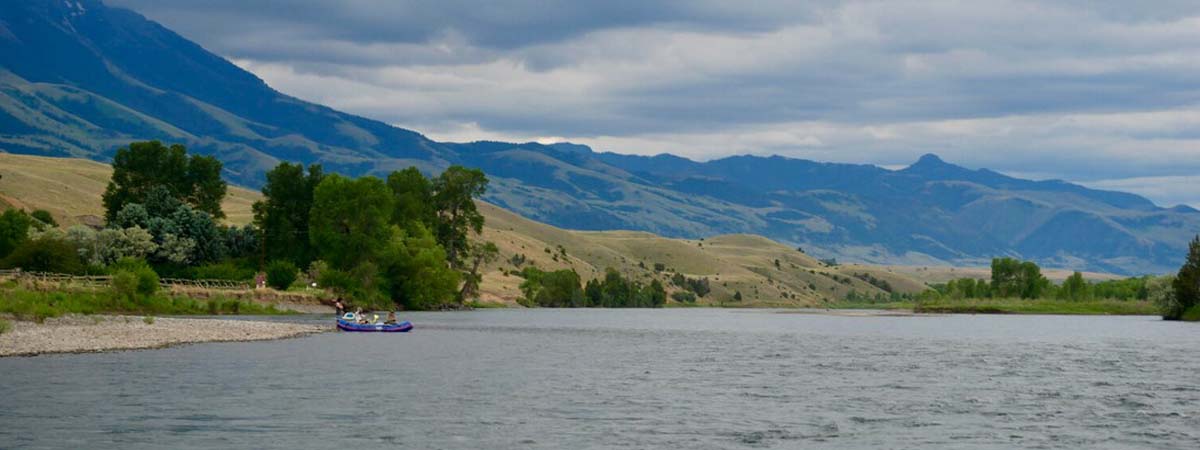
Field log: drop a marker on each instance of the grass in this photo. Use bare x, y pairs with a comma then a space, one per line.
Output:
905, 305
1191, 315
5, 326
1040, 306
26, 304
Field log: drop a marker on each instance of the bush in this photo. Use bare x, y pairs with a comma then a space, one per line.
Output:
14, 230
226, 270
5, 326
1191, 315
133, 279
46, 254
124, 284
44, 216
281, 274
683, 297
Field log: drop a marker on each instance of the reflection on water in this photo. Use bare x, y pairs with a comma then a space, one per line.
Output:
686, 379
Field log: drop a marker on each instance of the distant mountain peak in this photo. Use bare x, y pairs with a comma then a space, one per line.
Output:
930, 160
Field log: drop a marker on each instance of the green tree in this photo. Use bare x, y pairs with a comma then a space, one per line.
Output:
1161, 291
142, 166
593, 293
281, 274
46, 254
655, 295
1075, 288
203, 187
44, 217
557, 289
454, 194
414, 197
416, 270
1187, 283
349, 222
1014, 278
14, 230
283, 215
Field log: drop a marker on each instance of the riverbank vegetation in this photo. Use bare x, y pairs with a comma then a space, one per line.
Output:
1180, 300
1018, 287
562, 289
25, 304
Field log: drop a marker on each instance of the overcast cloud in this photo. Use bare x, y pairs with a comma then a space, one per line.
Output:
1102, 93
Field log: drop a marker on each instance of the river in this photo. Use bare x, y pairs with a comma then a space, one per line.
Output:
676, 378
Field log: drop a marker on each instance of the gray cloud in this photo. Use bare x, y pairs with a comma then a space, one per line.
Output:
1090, 91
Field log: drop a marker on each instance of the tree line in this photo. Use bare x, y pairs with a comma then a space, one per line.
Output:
1177, 296
408, 240
563, 289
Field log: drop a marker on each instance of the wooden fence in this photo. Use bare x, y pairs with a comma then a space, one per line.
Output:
106, 280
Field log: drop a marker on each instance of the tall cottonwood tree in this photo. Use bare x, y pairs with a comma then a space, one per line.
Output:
143, 166
283, 214
454, 194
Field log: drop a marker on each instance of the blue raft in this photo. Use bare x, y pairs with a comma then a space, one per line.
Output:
402, 327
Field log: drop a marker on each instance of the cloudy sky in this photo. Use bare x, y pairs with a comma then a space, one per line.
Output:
1105, 93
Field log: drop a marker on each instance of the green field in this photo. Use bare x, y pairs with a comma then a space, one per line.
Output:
24, 304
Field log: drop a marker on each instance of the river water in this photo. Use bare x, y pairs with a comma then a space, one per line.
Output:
686, 379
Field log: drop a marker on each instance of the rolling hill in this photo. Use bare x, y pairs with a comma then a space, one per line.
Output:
71, 188
80, 79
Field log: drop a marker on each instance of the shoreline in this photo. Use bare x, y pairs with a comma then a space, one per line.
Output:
102, 333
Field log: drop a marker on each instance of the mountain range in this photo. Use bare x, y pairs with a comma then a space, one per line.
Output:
80, 79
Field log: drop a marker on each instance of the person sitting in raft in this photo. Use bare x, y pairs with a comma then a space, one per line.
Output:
359, 317
391, 320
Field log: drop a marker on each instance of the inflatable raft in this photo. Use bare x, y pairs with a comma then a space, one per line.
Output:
402, 327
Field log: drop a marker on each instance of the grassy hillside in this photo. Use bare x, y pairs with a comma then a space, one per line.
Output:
71, 188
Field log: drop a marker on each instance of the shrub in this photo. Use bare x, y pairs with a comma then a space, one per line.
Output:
683, 297
1192, 314
133, 278
5, 326
226, 270
14, 230
46, 254
124, 284
44, 216
149, 320
281, 274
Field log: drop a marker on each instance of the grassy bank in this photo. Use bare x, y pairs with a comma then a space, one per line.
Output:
27, 304
1013, 306
1042, 306
906, 305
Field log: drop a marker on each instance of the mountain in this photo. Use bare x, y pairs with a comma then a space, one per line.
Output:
80, 79
70, 189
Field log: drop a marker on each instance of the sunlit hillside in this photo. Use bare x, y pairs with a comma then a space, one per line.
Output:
71, 189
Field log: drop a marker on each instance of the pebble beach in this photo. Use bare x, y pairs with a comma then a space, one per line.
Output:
86, 334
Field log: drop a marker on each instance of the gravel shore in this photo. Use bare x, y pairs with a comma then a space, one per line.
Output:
84, 334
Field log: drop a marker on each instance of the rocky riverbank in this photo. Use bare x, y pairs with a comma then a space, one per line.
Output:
84, 334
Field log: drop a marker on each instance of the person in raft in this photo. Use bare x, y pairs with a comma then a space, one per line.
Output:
359, 317
391, 320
